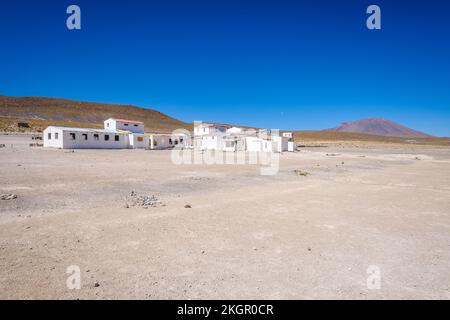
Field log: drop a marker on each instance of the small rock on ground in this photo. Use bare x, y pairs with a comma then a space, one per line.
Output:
8, 196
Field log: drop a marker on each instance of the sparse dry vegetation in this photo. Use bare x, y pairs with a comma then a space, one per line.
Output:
41, 112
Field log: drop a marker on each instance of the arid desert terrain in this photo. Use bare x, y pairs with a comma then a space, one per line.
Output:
140, 227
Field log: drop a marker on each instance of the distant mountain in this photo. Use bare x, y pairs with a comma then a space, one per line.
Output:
380, 127
39, 112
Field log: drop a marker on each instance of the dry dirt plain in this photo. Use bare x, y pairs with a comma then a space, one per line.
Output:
246, 236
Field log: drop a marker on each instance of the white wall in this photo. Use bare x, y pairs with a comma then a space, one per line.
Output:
253, 144
280, 144
63, 138
95, 140
291, 146
139, 141
209, 143
235, 130
159, 141
53, 137
203, 129
113, 124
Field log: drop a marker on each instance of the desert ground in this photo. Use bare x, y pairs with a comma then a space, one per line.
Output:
141, 227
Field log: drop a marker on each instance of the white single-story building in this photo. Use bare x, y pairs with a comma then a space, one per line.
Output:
81, 138
159, 141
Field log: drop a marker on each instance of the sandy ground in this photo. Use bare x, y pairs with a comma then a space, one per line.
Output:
285, 236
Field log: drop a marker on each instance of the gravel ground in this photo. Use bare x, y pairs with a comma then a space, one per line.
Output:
138, 226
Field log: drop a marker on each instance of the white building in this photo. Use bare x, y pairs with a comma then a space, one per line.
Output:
203, 129
117, 134
160, 141
81, 138
124, 125
219, 137
128, 134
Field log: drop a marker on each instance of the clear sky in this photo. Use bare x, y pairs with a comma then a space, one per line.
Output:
277, 64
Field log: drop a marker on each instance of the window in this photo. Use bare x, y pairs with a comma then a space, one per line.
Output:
107, 124
176, 142
95, 136
49, 136
135, 125
85, 136
181, 140
106, 137
116, 138
140, 139
56, 135
125, 124
72, 135
170, 141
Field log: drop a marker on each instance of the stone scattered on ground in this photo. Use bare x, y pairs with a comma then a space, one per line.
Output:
301, 172
145, 201
9, 196
188, 206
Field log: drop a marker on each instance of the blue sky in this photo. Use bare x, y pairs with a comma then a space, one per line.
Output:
276, 64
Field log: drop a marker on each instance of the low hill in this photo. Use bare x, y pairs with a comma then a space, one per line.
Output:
308, 137
39, 112
380, 127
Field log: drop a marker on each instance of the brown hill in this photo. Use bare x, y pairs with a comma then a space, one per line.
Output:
39, 112
380, 127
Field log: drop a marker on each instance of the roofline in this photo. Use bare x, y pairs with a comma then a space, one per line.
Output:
125, 120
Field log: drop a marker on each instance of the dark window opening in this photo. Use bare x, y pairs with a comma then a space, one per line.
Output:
170, 141
125, 124
72, 135
85, 136
116, 138
56, 135
106, 137
49, 136
95, 136
135, 125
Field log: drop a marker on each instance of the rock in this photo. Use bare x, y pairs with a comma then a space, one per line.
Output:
188, 206
301, 173
96, 284
8, 196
